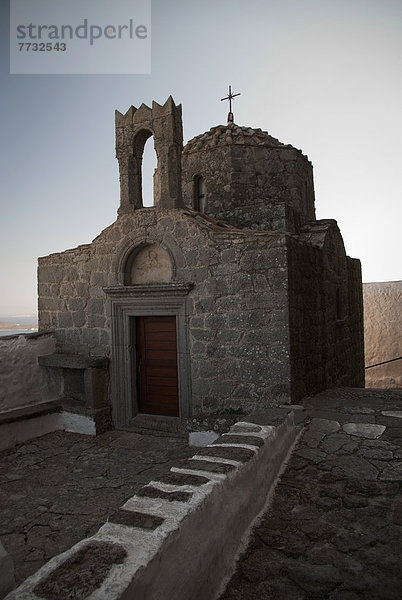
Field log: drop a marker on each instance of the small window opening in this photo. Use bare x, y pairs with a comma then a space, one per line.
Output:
200, 194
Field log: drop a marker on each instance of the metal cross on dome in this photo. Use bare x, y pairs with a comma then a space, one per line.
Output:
229, 97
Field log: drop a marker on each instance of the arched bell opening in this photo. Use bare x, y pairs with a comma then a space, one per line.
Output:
145, 163
150, 174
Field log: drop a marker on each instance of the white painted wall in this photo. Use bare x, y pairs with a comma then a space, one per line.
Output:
383, 333
22, 381
28, 429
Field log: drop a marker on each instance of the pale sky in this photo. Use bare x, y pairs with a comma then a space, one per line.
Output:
322, 75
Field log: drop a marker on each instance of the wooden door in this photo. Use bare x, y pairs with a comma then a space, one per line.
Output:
156, 366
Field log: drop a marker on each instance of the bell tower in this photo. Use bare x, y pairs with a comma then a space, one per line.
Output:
132, 131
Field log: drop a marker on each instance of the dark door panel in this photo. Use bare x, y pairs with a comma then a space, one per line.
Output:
156, 360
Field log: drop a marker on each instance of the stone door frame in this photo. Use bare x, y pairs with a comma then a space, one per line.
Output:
125, 302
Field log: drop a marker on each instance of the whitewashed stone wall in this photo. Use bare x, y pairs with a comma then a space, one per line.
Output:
22, 382
383, 333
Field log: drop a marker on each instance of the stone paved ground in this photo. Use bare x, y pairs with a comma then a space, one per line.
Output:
334, 528
60, 488
333, 531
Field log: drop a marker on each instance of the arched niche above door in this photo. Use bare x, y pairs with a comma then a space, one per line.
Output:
150, 264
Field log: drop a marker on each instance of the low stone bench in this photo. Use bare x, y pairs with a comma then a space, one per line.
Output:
84, 384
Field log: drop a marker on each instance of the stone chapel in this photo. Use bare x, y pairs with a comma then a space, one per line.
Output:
226, 295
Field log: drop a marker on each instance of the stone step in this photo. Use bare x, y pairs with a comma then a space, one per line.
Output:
158, 425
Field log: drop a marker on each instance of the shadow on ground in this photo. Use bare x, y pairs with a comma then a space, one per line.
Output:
334, 528
60, 488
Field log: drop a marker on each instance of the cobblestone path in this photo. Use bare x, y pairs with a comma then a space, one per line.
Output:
334, 528
60, 488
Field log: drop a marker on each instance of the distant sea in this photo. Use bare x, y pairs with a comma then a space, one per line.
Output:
22, 320
16, 331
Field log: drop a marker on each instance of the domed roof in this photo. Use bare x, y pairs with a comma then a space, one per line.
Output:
225, 135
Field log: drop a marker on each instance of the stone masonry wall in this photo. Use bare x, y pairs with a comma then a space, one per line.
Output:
238, 325
356, 321
71, 300
325, 318
252, 180
249, 289
217, 180
306, 319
